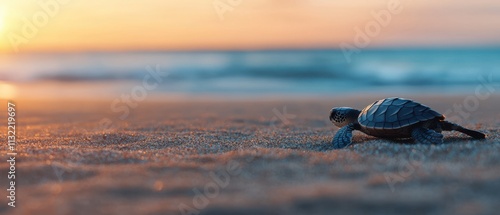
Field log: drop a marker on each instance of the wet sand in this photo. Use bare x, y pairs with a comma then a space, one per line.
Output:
244, 157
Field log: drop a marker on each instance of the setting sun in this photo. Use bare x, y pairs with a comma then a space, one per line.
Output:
8, 91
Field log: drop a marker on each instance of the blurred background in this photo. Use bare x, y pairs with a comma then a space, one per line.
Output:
75, 48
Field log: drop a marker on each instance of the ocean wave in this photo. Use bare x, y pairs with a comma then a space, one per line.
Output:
379, 68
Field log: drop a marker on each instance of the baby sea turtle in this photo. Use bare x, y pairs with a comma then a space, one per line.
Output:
394, 118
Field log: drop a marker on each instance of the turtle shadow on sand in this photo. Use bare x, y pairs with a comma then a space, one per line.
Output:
447, 140
364, 139
458, 139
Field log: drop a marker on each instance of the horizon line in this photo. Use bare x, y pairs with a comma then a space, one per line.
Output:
277, 49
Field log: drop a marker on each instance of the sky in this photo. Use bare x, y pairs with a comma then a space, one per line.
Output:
116, 25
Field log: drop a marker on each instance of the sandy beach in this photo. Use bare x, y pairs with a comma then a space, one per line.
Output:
270, 156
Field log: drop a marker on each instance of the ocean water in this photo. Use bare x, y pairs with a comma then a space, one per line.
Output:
265, 72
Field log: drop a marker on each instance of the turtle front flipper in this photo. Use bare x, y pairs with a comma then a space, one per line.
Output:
426, 136
343, 137
449, 126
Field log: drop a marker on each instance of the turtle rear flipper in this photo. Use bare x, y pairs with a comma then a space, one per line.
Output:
449, 126
343, 137
426, 136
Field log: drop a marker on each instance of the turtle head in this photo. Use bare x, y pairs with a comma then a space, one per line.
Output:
342, 116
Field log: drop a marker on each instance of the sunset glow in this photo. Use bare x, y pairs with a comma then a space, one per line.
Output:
78, 25
2, 20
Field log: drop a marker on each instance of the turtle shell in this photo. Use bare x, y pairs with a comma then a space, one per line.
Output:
393, 114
